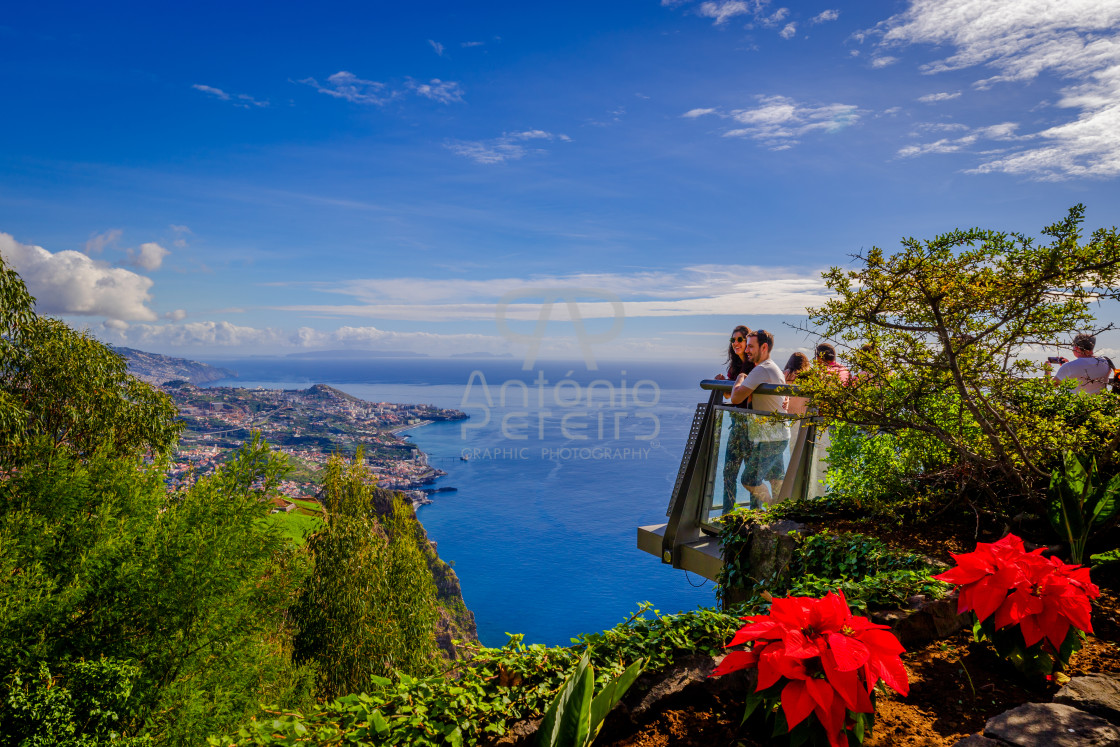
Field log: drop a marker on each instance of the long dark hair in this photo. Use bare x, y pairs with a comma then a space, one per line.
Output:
735, 364
797, 363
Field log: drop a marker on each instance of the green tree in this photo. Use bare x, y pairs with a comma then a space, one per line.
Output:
951, 321
70, 389
369, 607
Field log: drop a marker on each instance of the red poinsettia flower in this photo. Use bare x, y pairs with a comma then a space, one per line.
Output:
829, 659
1043, 596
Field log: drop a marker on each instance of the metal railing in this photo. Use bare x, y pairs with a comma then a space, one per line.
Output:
734, 456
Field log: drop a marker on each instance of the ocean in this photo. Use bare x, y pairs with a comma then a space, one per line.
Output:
554, 472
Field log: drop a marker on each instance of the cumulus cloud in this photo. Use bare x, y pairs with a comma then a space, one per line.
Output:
932, 98
242, 100
510, 146
193, 334
148, 257
69, 282
97, 242
1014, 41
177, 315
788, 31
779, 121
824, 16
883, 61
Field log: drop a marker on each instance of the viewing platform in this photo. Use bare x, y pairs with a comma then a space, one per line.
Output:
785, 454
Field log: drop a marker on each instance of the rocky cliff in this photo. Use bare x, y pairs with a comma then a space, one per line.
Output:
158, 369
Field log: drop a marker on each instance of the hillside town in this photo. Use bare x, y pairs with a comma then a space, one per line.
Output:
309, 426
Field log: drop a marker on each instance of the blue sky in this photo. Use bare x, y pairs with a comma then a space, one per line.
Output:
218, 180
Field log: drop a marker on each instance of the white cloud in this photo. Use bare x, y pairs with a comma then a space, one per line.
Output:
177, 315
97, 242
148, 257
509, 147
445, 92
472, 44
349, 87
778, 121
722, 10
1004, 131
825, 16
883, 61
193, 334
788, 31
181, 234
436, 46
1075, 40
931, 98
69, 282
241, 100
212, 91
698, 290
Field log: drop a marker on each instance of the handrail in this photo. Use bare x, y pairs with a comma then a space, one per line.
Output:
724, 385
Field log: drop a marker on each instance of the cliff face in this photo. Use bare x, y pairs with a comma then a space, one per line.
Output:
456, 622
157, 369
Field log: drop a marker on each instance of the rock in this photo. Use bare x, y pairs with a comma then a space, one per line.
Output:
977, 740
1051, 725
771, 550
520, 734
929, 620
1099, 694
651, 691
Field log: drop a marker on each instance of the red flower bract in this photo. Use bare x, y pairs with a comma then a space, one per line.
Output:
829, 658
1043, 596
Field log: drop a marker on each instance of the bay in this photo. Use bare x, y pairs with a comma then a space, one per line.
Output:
554, 472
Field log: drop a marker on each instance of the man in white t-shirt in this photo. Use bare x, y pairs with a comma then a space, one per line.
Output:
769, 438
1090, 372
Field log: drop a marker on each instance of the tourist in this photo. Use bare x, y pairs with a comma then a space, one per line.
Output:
797, 363
769, 437
738, 440
826, 357
1091, 372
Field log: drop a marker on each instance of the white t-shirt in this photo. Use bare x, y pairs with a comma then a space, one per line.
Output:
1091, 374
766, 372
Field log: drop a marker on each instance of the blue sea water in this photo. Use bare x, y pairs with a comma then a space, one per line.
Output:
563, 464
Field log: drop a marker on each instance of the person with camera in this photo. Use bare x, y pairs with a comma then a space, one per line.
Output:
1091, 372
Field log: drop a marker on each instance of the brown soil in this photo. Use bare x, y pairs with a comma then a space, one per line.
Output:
955, 686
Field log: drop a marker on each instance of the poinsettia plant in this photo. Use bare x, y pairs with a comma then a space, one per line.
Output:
1034, 610
818, 665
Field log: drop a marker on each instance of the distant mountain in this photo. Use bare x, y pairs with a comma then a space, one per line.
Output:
157, 369
335, 354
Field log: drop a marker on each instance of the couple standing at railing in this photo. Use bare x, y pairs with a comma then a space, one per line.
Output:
758, 445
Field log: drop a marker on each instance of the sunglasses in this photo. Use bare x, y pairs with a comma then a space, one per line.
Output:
738, 339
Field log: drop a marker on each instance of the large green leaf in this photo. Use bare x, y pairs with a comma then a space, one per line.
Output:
567, 722
609, 696
1109, 500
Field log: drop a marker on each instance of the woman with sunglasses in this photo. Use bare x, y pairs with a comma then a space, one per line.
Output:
738, 441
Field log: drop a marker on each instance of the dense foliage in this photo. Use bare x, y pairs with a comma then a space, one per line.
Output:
950, 322
131, 613
870, 574
369, 607
492, 689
